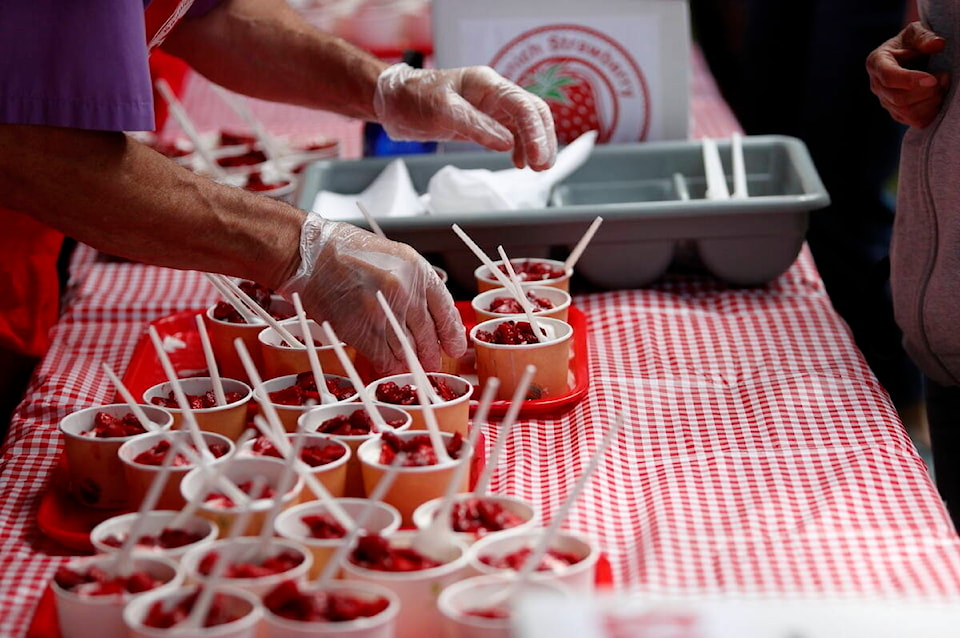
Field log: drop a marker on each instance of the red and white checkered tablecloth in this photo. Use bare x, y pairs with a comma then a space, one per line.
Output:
759, 457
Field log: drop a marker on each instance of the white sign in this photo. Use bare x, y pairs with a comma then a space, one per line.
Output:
620, 67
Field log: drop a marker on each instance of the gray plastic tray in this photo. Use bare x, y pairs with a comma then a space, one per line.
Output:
646, 225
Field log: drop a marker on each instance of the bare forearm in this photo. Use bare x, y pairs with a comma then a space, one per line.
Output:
123, 198
263, 48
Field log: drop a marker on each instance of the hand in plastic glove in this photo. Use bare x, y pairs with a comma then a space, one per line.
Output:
474, 104
342, 268
911, 97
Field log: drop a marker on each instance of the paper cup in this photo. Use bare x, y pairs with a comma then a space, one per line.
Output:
579, 577
559, 298
317, 416
240, 603
240, 470
417, 590
289, 414
118, 528
509, 362
452, 416
423, 516
249, 550
413, 486
93, 464
281, 359
222, 336
332, 475
384, 520
82, 616
230, 420
463, 603
382, 625
139, 476
486, 280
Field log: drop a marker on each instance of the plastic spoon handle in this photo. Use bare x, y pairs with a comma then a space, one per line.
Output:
180, 115
486, 261
124, 562
425, 392
374, 226
516, 402
313, 483
379, 491
258, 310
739, 171
438, 534
132, 403
538, 331
202, 605
232, 299
325, 395
186, 412
713, 168
379, 424
680, 185
574, 256
211, 362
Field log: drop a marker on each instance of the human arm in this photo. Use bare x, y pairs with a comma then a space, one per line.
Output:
263, 48
912, 97
123, 198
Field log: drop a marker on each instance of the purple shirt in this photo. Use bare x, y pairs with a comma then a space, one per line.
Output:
77, 63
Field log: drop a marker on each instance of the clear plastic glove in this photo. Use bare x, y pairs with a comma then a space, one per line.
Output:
474, 104
342, 268
911, 97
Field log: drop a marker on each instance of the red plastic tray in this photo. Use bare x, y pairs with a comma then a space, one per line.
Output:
145, 371
63, 518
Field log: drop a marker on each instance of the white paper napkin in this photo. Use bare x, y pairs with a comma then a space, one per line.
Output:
390, 195
457, 190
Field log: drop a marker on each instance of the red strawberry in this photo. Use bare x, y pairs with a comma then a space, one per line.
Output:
570, 97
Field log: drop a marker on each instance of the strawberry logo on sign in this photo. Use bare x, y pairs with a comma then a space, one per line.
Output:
572, 100
589, 81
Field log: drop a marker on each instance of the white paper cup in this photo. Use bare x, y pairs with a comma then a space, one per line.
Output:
559, 298
139, 476
155, 522
289, 414
418, 591
508, 362
412, 486
317, 416
424, 515
382, 625
230, 420
457, 601
332, 475
281, 359
452, 416
83, 616
248, 550
240, 470
384, 520
486, 280
578, 577
243, 603
93, 464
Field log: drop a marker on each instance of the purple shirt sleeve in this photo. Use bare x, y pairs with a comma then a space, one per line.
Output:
77, 63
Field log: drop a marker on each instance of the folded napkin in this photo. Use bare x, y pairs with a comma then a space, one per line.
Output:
457, 190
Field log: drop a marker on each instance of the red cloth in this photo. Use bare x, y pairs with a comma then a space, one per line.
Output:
30, 301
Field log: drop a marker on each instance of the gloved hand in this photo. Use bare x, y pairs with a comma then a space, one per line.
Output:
342, 268
474, 104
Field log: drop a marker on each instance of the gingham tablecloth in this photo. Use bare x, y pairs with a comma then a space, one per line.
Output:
759, 456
